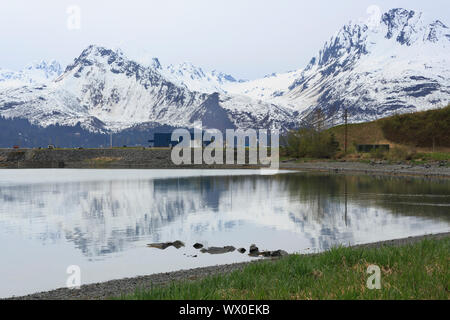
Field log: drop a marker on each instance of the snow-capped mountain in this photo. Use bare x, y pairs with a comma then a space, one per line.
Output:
268, 88
36, 73
193, 77
372, 70
400, 65
198, 80
103, 89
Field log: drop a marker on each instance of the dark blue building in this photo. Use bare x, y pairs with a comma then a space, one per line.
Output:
163, 140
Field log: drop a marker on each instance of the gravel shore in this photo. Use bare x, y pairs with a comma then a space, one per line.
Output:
160, 158
432, 170
115, 288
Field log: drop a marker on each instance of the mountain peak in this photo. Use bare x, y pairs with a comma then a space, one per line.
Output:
408, 27
223, 77
49, 69
94, 54
155, 63
196, 79
399, 21
36, 72
100, 51
401, 26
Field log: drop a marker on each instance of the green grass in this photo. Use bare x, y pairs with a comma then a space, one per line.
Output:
359, 133
304, 159
101, 162
421, 129
434, 156
404, 133
418, 271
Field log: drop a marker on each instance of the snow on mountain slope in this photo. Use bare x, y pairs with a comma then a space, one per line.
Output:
192, 77
268, 88
104, 89
42, 72
121, 92
401, 65
44, 106
196, 79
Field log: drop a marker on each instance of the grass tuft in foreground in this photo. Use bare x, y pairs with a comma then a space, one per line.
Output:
417, 271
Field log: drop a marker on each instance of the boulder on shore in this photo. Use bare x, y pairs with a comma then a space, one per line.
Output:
254, 251
278, 253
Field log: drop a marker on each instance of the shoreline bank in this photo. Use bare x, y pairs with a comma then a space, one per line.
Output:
161, 159
115, 288
375, 169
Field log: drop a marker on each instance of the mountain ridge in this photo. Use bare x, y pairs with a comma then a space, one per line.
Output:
102, 86
370, 71
397, 66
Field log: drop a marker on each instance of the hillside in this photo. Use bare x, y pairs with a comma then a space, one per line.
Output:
413, 130
22, 133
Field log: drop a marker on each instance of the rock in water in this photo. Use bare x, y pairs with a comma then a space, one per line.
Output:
241, 250
254, 251
161, 246
230, 248
198, 246
177, 244
218, 250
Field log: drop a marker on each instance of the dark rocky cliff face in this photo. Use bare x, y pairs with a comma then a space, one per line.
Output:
212, 115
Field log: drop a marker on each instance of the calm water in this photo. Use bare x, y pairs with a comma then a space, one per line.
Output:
101, 220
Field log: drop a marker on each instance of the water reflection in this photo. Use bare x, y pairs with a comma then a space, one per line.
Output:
103, 217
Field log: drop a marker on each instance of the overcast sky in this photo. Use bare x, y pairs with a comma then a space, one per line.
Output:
246, 38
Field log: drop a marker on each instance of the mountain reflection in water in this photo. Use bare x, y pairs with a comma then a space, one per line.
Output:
104, 216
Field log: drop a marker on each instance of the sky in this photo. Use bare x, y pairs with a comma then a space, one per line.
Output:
245, 38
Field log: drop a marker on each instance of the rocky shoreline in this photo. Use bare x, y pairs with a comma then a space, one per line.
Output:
160, 159
253, 250
429, 170
116, 288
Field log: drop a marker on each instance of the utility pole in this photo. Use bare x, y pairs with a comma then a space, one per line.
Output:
346, 130
318, 120
345, 190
